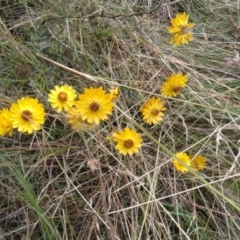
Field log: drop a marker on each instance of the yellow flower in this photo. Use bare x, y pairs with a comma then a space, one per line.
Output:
184, 158
180, 29
111, 135
114, 93
128, 141
76, 121
174, 84
5, 123
152, 110
62, 97
27, 115
94, 105
198, 163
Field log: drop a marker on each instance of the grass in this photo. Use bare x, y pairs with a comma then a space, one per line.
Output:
48, 186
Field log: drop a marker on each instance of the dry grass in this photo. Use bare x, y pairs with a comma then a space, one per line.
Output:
57, 184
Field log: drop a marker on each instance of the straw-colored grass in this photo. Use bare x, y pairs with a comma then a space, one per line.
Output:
59, 184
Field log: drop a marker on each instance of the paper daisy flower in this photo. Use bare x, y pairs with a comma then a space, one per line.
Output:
76, 121
198, 163
128, 141
174, 84
114, 93
94, 105
62, 97
111, 135
27, 115
181, 29
178, 164
152, 110
5, 123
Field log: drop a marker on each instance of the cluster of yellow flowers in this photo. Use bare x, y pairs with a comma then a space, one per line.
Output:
85, 111
197, 163
181, 34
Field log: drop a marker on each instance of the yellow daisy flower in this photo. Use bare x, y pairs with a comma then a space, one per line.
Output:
174, 84
62, 97
128, 141
111, 135
94, 105
27, 115
5, 123
180, 29
152, 110
198, 163
76, 121
184, 158
115, 93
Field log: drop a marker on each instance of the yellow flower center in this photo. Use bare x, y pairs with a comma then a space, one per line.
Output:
177, 89
155, 112
128, 143
94, 106
62, 96
26, 115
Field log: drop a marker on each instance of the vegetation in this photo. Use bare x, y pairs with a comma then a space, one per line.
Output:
57, 183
